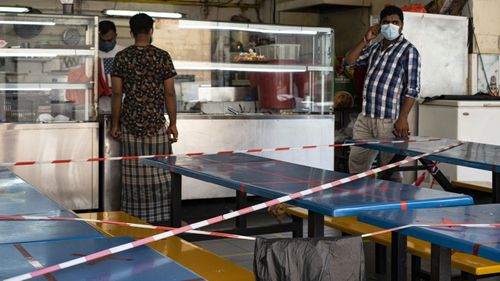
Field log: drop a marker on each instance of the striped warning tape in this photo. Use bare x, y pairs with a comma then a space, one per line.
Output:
434, 225
255, 150
136, 225
137, 243
235, 236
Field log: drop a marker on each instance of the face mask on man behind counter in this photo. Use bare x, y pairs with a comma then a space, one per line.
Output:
390, 31
106, 46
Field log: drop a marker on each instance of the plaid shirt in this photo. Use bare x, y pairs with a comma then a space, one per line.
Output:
392, 75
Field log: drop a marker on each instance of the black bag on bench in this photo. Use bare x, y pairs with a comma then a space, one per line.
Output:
318, 259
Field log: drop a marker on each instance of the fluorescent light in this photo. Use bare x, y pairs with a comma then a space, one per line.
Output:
130, 13
275, 29
22, 22
6, 9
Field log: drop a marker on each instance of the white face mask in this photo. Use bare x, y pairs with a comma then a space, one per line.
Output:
390, 31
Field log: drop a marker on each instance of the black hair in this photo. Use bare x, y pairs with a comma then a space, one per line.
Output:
141, 24
106, 26
391, 10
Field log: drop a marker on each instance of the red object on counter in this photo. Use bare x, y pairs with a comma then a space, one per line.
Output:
275, 89
77, 75
302, 79
417, 8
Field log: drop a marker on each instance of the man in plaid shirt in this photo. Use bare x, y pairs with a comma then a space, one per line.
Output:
391, 85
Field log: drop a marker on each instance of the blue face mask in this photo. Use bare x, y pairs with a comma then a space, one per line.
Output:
106, 46
390, 31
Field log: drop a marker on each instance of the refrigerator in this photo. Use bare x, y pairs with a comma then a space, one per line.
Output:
475, 121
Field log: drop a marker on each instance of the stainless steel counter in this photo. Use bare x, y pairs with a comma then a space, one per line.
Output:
211, 133
75, 185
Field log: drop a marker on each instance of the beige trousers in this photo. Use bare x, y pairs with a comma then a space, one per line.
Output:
365, 127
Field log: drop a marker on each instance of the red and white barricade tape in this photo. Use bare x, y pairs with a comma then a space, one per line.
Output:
434, 225
256, 150
136, 225
235, 236
220, 218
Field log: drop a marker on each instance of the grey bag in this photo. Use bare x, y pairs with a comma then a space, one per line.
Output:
305, 259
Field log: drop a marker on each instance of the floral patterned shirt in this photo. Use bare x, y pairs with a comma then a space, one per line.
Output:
143, 71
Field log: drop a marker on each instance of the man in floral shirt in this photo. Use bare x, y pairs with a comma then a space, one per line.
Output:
143, 74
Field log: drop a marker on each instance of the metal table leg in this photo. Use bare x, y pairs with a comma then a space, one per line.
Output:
438, 175
380, 259
315, 224
298, 227
386, 175
398, 256
176, 189
416, 268
440, 263
241, 202
496, 187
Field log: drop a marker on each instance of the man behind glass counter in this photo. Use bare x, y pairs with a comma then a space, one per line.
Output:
391, 85
107, 52
145, 75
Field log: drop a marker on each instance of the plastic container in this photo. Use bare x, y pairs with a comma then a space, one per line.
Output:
279, 51
275, 89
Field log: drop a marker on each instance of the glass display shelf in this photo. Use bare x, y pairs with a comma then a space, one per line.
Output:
47, 67
233, 68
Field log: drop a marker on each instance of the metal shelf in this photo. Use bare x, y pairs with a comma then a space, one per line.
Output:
248, 67
38, 52
45, 86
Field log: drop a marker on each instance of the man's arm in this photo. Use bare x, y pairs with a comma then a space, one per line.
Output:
401, 127
353, 55
116, 107
171, 106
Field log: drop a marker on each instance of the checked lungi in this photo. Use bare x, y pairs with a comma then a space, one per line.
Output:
146, 191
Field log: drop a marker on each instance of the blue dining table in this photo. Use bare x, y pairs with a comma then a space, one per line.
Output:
141, 263
20, 198
469, 154
482, 242
270, 179
27, 245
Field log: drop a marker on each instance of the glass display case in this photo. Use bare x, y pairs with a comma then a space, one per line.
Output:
240, 68
47, 68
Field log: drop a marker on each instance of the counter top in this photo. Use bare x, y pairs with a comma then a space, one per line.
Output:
254, 116
247, 116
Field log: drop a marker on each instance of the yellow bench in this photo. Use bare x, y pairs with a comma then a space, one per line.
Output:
199, 260
482, 186
465, 262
